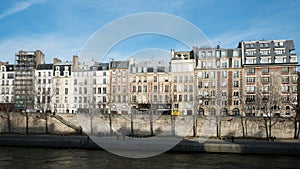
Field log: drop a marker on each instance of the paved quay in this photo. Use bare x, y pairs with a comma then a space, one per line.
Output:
187, 145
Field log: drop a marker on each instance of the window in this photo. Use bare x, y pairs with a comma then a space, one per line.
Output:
264, 44
155, 88
250, 88
250, 71
155, 78
104, 90
285, 79
279, 51
180, 79
75, 81
66, 91
213, 93
236, 74
224, 93
265, 52
185, 98
265, 89
104, 80
235, 53
224, 64
285, 88
250, 98
224, 74
236, 84
285, 70
175, 79
191, 79
180, 98
133, 88
191, 88
236, 63
66, 82
223, 53
99, 90
212, 74
265, 70
265, 79
185, 88
206, 74
236, 94
139, 88
250, 60
144, 88
104, 73
235, 102
278, 43
250, 79
224, 84
167, 88
250, 52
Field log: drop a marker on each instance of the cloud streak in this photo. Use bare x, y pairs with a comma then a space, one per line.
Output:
21, 6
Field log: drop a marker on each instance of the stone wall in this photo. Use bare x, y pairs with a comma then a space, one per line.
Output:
163, 125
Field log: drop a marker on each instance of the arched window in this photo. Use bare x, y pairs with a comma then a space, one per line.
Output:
236, 112
201, 111
224, 112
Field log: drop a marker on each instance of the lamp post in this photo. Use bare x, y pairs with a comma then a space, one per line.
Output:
131, 120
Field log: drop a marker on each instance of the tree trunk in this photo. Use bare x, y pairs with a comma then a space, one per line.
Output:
194, 126
26, 116
295, 128
243, 126
173, 124
46, 127
298, 129
8, 122
266, 127
270, 127
110, 124
151, 124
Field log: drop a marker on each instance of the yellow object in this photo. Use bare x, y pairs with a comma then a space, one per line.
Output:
176, 113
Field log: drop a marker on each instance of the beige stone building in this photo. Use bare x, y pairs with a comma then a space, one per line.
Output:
150, 87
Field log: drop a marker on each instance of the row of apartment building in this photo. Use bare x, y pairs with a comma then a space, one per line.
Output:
257, 78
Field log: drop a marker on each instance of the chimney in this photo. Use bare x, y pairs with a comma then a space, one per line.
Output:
55, 61
75, 63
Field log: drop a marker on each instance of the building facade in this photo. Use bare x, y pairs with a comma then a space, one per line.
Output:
218, 75
271, 78
150, 86
7, 75
26, 63
182, 71
43, 87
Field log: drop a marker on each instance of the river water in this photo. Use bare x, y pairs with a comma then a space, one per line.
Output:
19, 157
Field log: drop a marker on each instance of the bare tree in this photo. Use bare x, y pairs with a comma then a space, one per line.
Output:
268, 99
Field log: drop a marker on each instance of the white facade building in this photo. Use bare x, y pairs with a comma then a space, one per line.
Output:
7, 83
43, 87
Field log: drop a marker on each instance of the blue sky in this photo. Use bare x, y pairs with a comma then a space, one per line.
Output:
61, 28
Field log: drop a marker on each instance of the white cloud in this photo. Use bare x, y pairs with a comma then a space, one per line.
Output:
23, 5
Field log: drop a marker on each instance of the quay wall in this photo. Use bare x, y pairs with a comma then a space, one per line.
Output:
145, 125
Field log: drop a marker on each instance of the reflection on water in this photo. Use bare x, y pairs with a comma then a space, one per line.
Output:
11, 157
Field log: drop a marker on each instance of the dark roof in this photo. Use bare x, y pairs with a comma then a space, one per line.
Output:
9, 68
45, 67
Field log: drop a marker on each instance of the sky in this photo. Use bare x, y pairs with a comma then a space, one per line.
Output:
61, 28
